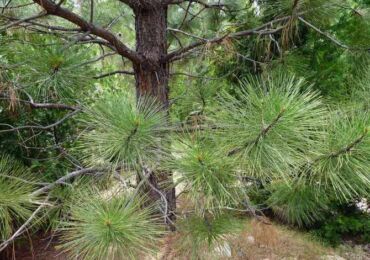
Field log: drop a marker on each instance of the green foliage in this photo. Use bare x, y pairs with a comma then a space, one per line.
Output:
66, 196
122, 133
297, 203
360, 98
47, 68
355, 225
202, 233
102, 227
269, 124
343, 165
278, 132
274, 136
193, 99
208, 174
314, 10
303, 51
16, 201
58, 72
354, 27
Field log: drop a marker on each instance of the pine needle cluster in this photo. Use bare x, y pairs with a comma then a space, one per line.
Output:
16, 203
124, 134
109, 228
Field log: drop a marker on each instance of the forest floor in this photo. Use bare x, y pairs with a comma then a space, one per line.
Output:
258, 241
261, 241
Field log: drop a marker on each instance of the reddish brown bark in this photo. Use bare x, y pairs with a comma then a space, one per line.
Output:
152, 79
151, 43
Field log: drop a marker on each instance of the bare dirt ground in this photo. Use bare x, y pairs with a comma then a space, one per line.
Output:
40, 247
257, 242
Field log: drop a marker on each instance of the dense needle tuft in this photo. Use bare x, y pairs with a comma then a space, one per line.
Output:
109, 228
122, 133
269, 124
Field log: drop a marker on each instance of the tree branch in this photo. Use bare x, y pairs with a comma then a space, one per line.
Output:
262, 134
203, 3
340, 44
125, 72
102, 57
23, 227
350, 146
18, 22
52, 106
16, 6
65, 178
54, 9
16, 129
261, 30
40, 105
28, 21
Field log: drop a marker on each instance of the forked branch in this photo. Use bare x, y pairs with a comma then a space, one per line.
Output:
54, 9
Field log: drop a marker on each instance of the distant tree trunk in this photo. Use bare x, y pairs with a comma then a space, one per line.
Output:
152, 79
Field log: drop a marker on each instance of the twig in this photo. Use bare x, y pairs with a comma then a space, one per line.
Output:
108, 74
17, 129
65, 178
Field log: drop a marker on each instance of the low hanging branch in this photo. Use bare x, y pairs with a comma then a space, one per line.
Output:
35, 105
52, 106
40, 191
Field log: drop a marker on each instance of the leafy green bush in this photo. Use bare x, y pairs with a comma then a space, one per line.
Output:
355, 225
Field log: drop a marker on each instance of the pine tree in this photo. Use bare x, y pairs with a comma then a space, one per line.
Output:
77, 128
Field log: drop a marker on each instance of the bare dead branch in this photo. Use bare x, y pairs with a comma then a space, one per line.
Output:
23, 228
124, 72
186, 33
260, 30
203, 3
340, 44
16, 6
47, 105
102, 57
37, 127
66, 178
18, 22
53, 106
49, 27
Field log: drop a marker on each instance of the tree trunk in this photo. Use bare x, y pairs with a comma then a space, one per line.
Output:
151, 42
152, 79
